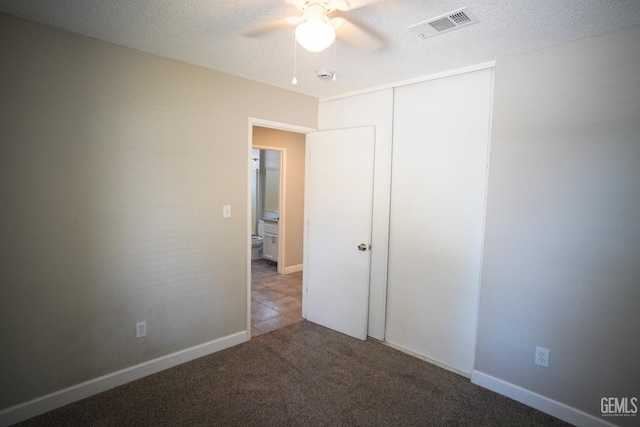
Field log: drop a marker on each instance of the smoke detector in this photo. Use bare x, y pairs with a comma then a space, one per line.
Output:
444, 23
326, 74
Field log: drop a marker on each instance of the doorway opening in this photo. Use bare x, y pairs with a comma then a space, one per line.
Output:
267, 191
276, 219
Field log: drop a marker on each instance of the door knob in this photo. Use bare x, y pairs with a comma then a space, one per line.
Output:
362, 247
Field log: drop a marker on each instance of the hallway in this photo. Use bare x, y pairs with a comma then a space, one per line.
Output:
276, 299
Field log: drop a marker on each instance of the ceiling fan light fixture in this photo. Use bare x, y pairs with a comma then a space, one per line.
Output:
315, 35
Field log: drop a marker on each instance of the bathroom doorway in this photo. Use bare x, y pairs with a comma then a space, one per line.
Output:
277, 162
267, 192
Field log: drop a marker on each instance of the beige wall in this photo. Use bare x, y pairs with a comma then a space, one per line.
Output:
114, 166
294, 143
562, 240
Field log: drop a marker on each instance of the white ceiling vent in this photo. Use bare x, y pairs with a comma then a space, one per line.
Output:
447, 22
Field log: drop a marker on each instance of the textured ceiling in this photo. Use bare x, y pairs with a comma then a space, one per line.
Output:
208, 33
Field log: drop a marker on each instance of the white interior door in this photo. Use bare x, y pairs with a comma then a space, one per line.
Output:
339, 209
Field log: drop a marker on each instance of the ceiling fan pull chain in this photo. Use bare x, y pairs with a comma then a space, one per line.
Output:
334, 60
294, 80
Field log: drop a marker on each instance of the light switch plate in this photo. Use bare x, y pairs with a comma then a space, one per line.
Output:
226, 211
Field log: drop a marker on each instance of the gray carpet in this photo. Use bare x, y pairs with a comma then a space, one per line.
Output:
301, 375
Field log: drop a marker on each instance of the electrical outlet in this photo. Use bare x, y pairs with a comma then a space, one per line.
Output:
542, 357
141, 329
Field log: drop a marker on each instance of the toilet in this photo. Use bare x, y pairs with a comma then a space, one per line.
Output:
256, 242
256, 247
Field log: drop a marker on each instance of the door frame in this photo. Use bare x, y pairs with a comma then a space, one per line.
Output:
288, 127
282, 197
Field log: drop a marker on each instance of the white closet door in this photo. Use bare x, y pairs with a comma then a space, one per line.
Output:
440, 154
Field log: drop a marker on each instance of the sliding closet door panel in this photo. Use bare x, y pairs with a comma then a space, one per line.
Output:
440, 155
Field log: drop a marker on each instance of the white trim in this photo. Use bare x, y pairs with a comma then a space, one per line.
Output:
449, 73
49, 402
292, 269
538, 401
305, 238
249, 205
279, 125
484, 215
426, 359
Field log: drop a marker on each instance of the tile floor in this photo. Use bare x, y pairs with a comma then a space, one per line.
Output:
276, 299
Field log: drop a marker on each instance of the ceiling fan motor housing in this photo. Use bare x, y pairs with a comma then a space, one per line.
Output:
326, 5
316, 10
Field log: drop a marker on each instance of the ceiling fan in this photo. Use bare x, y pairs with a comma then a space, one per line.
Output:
315, 31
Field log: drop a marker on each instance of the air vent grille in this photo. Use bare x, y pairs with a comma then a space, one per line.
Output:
460, 18
444, 23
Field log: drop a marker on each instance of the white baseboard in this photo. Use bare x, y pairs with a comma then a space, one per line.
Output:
292, 269
40, 405
538, 401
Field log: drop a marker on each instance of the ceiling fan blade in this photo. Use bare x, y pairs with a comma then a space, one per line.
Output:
345, 5
356, 36
273, 26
